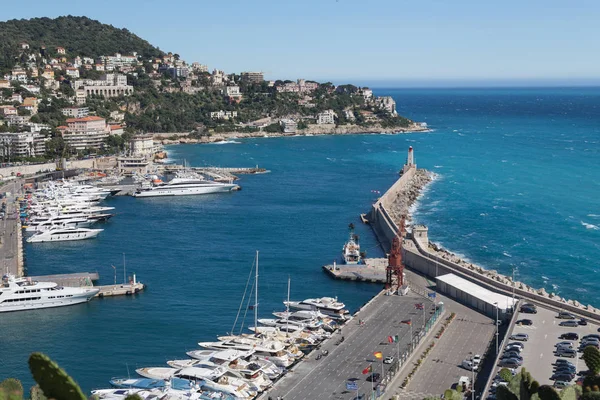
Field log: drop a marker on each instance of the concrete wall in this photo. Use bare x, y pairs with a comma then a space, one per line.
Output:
99, 163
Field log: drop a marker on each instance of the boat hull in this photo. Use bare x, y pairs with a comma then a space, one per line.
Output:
164, 191
63, 237
45, 302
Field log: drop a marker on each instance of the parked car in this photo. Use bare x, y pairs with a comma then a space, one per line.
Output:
524, 322
374, 377
582, 322
562, 361
570, 323
590, 336
569, 353
512, 354
565, 315
523, 337
510, 363
517, 344
388, 360
589, 340
528, 310
568, 345
562, 377
469, 365
564, 369
513, 348
561, 384
570, 336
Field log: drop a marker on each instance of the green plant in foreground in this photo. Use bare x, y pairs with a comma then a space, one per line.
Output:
54, 381
35, 393
11, 389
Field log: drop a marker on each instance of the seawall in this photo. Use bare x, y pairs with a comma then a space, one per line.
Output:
31, 169
419, 256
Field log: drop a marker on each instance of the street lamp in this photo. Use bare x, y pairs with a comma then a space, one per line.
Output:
473, 375
496, 304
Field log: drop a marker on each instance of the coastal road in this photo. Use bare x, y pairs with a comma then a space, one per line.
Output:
327, 377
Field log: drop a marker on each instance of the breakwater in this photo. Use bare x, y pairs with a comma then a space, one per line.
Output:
426, 258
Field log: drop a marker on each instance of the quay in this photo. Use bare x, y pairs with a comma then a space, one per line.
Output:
373, 270
120, 290
77, 279
11, 242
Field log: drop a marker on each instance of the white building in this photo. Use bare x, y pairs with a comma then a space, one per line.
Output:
119, 60
22, 144
197, 67
289, 125
326, 117
111, 85
233, 91
143, 145
76, 112
86, 132
223, 114
72, 72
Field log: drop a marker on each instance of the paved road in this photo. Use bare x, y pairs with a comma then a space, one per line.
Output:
8, 229
327, 377
538, 354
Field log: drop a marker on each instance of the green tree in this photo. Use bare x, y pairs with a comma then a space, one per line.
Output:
591, 356
547, 392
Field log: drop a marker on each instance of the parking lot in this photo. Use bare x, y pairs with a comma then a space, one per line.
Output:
544, 334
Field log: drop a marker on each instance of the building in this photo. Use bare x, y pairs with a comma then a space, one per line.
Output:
4, 84
61, 50
133, 164
116, 129
48, 74
175, 71
223, 114
72, 72
326, 117
22, 144
143, 145
301, 86
17, 120
86, 132
475, 296
8, 110
76, 112
289, 125
256, 77
197, 67
366, 93
24, 45
386, 103
119, 60
111, 85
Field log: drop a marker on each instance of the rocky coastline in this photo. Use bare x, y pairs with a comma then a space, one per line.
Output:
312, 130
400, 206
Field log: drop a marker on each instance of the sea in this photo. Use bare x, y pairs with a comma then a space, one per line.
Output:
516, 189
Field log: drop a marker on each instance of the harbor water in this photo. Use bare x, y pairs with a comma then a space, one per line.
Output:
517, 186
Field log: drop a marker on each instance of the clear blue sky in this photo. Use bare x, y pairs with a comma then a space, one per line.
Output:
362, 40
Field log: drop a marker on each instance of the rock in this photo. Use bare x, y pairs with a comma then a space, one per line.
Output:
542, 292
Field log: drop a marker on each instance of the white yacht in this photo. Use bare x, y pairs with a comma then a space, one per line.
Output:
185, 186
64, 234
18, 294
59, 223
274, 350
351, 249
326, 305
235, 359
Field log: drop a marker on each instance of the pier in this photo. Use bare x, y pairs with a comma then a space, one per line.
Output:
77, 279
373, 270
120, 290
11, 243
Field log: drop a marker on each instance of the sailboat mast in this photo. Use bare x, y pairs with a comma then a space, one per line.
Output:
256, 296
124, 271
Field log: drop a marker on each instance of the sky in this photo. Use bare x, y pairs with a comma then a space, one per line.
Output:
410, 43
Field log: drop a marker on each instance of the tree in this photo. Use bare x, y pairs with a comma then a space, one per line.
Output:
591, 356
547, 392
505, 374
56, 148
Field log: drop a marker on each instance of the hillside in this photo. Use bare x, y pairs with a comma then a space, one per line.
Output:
80, 36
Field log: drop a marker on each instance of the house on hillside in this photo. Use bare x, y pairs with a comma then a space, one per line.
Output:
61, 50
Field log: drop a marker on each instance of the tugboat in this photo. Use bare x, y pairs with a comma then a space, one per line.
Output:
351, 250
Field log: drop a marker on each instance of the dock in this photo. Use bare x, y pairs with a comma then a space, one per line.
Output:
373, 270
78, 279
120, 290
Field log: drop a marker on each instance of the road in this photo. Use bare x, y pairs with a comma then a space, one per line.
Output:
8, 229
327, 377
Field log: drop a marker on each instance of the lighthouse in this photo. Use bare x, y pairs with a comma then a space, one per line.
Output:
410, 159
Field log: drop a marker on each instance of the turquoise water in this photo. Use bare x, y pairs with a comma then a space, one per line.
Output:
518, 181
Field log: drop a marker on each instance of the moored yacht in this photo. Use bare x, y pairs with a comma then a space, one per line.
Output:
326, 305
185, 186
18, 294
64, 234
351, 249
